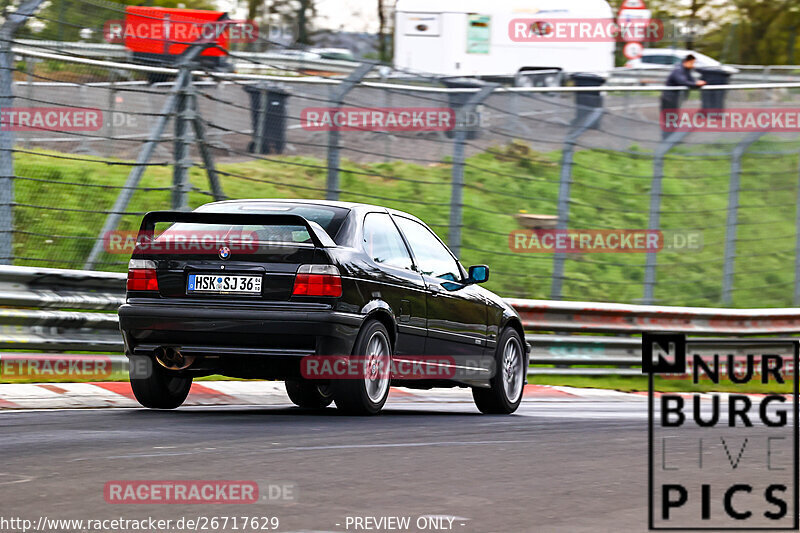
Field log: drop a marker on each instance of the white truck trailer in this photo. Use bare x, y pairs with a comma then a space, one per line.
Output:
471, 38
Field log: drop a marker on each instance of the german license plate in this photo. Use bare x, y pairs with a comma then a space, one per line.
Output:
223, 284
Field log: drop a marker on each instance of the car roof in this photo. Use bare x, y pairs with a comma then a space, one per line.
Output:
669, 51
674, 52
328, 203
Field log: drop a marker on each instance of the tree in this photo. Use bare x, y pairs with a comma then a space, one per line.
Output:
296, 13
735, 31
767, 30
64, 19
303, 12
382, 48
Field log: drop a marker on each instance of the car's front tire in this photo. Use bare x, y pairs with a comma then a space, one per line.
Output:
366, 394
506, 386
308, 395
161, 388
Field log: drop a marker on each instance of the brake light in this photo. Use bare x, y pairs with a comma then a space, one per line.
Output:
142, 275
317, 280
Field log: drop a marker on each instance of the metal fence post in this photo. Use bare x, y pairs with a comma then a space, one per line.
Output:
6, 154
7, 32
84, 146
459, 157
30, 66
182, 162
337, 98
733, 215
112, 108
564, 187
655, 208
387, 137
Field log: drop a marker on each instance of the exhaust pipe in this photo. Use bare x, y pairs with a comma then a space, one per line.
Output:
173, 359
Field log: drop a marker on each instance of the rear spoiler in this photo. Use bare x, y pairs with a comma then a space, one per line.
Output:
318, 235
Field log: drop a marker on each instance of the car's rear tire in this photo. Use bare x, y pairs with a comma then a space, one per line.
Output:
506, 386
366, 395
161, 388
308, 395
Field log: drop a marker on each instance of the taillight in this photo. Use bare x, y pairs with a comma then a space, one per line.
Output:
142, 275
317, 280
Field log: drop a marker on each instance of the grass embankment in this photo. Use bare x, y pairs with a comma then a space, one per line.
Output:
610, 190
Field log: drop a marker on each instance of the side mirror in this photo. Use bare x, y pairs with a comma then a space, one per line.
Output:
478, 274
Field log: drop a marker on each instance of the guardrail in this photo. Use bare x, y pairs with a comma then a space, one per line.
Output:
38, 309
241, 61
256, 62
73, 310
745, 74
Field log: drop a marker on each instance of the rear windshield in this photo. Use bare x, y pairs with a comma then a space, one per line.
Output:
330, 218
184, 233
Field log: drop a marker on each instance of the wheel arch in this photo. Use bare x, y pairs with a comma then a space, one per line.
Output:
382, 312
515, 323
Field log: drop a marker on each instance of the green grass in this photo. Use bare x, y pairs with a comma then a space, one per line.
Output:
113, 376
610, 190
639, 383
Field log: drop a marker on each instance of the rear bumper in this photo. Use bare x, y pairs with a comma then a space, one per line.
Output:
253, 330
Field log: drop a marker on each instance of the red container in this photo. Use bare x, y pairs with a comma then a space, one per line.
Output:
170, 31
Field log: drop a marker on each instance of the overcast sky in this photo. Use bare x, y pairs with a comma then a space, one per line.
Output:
344, 15
348, 15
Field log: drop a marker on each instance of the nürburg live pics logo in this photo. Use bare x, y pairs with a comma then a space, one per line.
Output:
722, 433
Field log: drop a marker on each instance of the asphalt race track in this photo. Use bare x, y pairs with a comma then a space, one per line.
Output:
534, 471
560, 466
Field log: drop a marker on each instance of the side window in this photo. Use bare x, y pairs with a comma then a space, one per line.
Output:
432, 257
383, 243
659, 59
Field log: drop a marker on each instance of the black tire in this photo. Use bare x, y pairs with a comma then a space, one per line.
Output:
161, 388
497, 399
352, 396
308, 395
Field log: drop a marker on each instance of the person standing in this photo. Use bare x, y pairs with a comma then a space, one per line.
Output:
681, 76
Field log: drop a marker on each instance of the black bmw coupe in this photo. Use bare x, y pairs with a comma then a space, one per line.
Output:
339, 300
